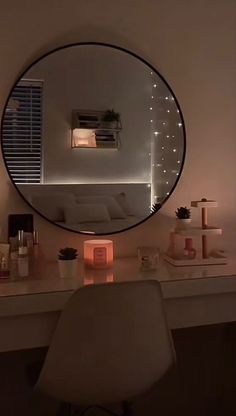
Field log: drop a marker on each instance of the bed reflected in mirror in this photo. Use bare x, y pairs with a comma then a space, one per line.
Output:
93, 138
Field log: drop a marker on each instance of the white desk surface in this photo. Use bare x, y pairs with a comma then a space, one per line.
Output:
194, 295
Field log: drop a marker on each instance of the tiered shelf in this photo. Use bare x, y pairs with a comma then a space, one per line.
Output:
181, 257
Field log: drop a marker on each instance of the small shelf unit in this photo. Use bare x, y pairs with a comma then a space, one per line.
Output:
178, 258
107, 133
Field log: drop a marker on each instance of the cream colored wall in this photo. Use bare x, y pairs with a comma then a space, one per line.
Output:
191, 43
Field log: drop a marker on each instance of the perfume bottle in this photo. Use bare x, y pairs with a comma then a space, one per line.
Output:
189, 251
20, 238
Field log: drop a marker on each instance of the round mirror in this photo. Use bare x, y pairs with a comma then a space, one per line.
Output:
93, 138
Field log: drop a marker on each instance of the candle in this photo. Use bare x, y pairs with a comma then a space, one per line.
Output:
98, 254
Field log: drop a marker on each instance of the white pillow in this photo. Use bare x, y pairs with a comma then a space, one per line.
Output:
112, 205
52, 206
79, 213
124, 204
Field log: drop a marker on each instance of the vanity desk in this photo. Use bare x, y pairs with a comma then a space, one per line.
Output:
194, 296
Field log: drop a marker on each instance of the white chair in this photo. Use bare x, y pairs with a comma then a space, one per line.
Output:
111, 344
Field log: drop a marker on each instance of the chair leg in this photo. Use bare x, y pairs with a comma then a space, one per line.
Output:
127, 409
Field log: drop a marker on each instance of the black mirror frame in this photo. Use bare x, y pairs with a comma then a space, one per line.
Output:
156, 207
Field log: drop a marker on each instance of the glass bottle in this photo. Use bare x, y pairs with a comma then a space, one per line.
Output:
189, 251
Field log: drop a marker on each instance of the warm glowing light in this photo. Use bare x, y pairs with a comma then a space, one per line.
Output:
156, 133
98, 254
83, 138
150, 108
174, 150
92, 276
179, 124
154, 85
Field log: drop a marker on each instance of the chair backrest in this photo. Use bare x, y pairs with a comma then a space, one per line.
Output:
112, 343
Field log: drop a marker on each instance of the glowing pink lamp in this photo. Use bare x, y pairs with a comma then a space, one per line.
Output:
98, 254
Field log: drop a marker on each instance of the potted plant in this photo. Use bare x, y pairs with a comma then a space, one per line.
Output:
183, 219
67, 262
111, 119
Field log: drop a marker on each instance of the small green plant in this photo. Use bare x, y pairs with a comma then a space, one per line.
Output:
183, 213
111, 115
67, 253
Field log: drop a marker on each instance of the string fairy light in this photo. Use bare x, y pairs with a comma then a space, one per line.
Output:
166, 129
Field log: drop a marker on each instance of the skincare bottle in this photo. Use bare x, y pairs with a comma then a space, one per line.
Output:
23, 262
20, 238
37, 253
16, 242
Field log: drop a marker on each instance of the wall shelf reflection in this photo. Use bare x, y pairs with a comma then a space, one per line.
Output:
89, 130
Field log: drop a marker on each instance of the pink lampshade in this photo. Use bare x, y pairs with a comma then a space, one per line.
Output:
98, 254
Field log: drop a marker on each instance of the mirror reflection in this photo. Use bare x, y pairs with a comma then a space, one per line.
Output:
93, 138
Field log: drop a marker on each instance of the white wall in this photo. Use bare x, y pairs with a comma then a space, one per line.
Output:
192, 44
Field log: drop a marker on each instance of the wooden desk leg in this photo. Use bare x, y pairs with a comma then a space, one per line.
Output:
204, 237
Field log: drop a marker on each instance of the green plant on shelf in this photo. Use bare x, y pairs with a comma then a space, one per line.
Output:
111, 115
183, 213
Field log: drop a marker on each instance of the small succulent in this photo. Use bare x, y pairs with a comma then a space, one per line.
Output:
67, 253
111, 115
183, 213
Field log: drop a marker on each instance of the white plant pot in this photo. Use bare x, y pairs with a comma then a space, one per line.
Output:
68, 268
182, 224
